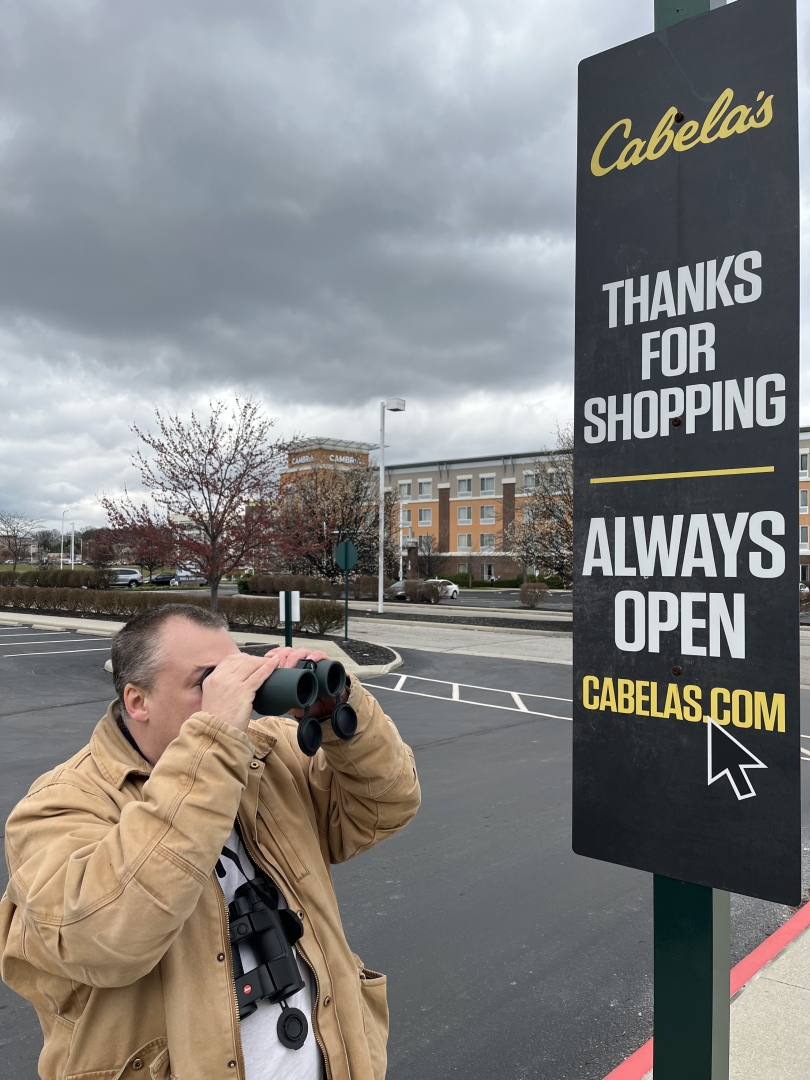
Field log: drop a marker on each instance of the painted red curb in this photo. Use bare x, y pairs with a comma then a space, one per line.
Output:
639, 1064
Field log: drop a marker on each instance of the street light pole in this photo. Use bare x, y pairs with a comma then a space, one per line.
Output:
62, 541
73, 545
392, 405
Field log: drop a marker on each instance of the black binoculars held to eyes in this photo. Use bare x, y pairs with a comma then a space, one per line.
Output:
299, 688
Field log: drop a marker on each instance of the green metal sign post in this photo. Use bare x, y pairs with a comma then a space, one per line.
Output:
346, 557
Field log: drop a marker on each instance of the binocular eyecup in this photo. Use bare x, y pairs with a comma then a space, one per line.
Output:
299, 688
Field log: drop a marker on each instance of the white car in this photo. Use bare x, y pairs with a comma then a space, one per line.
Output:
188, 577
449, 589
125, 578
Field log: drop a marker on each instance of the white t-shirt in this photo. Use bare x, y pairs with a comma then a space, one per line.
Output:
265, 1057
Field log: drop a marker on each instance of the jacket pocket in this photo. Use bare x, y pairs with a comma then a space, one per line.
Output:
375, 1019
142, 1063
161, 1069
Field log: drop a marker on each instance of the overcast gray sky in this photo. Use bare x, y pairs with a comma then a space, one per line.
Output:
318, 202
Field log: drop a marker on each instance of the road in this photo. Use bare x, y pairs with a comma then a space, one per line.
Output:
497, 599
507, 955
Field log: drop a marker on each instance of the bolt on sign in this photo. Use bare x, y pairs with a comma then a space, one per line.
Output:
686, 665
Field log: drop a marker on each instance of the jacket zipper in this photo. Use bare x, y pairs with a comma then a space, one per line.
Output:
229, 961
251, 854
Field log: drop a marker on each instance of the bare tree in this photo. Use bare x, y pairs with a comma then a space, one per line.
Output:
544, 538
17, 533
321, 508
45, 541
214, 487
432, 563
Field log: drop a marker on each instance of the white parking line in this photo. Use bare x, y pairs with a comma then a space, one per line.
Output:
41, 641
52, 652
480, 704
471, 686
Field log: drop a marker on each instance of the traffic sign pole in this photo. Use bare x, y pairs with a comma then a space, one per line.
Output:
346, 558
691, 923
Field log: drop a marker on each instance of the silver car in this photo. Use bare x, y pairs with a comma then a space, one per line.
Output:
125, 578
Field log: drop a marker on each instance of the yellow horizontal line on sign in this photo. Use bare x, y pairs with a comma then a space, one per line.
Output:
680, 475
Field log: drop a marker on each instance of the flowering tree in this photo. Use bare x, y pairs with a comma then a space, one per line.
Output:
213, 486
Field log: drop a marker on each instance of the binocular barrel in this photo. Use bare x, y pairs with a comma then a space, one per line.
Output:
300, 687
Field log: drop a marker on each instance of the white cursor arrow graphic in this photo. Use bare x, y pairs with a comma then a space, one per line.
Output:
728, 757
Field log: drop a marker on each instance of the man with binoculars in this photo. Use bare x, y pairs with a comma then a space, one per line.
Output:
170, 906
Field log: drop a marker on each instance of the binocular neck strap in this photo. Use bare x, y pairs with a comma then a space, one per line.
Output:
234, 859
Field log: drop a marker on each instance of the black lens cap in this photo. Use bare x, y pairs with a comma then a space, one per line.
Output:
292, 1028
310, 736
344, 720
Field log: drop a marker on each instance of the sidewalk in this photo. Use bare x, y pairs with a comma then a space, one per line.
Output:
544, 646
770, 1011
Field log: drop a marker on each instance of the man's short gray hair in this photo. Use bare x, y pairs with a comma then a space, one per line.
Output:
137, 648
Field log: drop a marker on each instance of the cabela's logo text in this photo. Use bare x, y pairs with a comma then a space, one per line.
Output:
720, 123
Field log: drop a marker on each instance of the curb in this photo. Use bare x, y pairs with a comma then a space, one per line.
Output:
369, 671
638, 1065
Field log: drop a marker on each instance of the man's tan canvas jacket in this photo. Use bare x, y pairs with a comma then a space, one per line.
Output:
115, 927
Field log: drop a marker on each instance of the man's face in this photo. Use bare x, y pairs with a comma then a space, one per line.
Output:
158, 714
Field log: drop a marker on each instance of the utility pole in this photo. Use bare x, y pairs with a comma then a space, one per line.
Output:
393, 404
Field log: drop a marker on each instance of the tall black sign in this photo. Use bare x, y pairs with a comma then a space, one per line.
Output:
686, 665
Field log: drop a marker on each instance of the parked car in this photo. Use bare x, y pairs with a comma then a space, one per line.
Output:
188, 577
448, 589
428, 592
804, 594
396, 591
125, 578
164, 578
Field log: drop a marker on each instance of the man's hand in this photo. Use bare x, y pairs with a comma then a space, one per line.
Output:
288, 659
229, 690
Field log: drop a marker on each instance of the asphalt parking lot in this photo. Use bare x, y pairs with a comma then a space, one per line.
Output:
507, 955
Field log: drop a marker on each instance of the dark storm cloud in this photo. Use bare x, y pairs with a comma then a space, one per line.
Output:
315, 193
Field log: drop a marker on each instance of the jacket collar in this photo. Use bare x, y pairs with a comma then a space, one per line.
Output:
114, 755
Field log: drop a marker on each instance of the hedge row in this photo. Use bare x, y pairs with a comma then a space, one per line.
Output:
361, 586
317, 616
273, 584
48, 577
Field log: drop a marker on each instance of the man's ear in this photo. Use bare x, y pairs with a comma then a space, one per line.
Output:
136, 704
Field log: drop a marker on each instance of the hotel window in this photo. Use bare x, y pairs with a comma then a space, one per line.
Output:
465, 485
488, 571
425, 544
529, 481
803, 501
803, 463
405, 517
425, 489
405, 489
463, 568
487, 541
426, 516
487, 485
803, 537
487, 515
465, 515
465, 541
